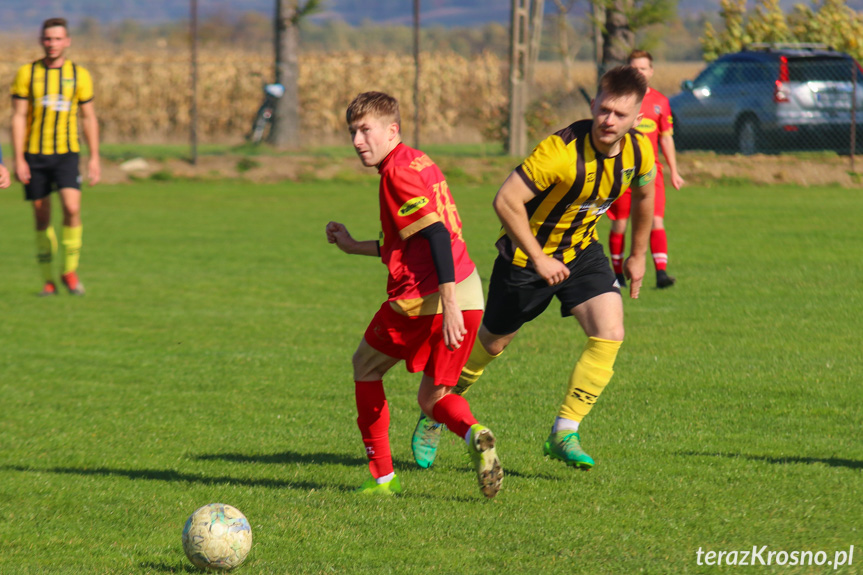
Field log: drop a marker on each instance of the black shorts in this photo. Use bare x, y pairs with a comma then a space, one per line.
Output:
518, 295
51, 172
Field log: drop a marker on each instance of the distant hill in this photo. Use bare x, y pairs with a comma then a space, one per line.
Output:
24, 15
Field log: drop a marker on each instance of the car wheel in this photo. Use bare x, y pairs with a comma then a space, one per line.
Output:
747, 137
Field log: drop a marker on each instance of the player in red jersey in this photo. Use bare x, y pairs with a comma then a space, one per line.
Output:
657, 126
434, 305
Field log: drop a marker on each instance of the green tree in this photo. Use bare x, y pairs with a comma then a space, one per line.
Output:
768, 23
733, 38
832, 23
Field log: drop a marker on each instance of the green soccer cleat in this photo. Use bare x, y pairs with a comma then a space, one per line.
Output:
425, 440
372, 487
489, 473
566, 446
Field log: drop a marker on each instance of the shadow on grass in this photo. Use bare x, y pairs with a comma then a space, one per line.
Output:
831, 461
166, 568
287, 457
173, 476
284, 457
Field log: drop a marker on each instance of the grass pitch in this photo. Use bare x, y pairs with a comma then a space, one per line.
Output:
210, 361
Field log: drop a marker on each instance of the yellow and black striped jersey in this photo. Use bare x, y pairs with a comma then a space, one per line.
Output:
54, 95
574, 185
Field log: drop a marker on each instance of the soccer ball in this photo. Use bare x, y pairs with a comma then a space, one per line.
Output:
217, 536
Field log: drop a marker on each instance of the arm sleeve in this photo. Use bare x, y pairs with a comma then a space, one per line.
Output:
441, 251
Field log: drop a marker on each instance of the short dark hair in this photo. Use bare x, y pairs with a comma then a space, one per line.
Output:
376, 104
53, 23
623, 81
639, 54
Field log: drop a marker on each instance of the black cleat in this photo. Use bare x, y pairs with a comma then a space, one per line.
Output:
663, 280
621, 279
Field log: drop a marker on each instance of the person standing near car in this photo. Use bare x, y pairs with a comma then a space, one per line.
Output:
49, 96
656, 124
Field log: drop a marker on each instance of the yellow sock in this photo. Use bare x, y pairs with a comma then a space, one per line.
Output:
591, 374
479, 358
71, 248
46, 247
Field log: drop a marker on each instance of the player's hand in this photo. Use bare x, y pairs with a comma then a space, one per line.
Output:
22, 172
551, 270
4, 177
338, 234
453, 327
677, 181
633, 269
94, 171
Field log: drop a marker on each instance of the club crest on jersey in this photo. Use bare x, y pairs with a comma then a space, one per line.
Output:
413, 205
657, 110
626, 175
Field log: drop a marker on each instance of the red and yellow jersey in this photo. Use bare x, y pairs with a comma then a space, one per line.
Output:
657, 120
414, 195
54, 95
573, 186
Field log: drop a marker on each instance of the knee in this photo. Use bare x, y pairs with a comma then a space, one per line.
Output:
615, 334
363, 370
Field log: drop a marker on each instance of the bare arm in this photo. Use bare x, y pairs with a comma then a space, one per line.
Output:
20, 108
641, 216
666, 142
90, 126
509, 205
338, 234
4, 177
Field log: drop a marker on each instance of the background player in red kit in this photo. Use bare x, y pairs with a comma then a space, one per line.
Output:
657, 126
434, 305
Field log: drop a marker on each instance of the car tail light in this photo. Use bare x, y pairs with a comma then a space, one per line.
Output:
780, 94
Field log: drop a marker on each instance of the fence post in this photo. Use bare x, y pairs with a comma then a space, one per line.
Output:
853, 112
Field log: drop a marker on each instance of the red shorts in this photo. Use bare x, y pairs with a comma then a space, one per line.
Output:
621, 206
419, 341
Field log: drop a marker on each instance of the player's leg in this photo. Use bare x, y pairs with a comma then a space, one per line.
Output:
451, 409
597, 306
658, 238
68, 180
46, 244
427, 433
502, 319
380, 349
618, 213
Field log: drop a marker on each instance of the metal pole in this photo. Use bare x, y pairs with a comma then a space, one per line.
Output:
853, 112
417, 76
193, 127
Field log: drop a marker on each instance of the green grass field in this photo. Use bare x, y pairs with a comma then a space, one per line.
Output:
210, 361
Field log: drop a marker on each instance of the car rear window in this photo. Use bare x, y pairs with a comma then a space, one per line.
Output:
821, 69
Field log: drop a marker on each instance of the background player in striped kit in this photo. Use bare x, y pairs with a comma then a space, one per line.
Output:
48, 96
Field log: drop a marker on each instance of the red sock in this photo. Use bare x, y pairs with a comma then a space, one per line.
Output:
616, 244
454, 411
373, 419
659, 248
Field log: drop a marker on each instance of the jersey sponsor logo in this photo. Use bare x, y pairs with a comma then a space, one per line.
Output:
56, 103
412, 206
647, 126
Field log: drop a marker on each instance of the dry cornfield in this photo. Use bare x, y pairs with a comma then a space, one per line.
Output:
145, 96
